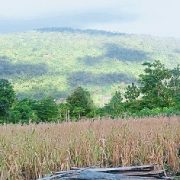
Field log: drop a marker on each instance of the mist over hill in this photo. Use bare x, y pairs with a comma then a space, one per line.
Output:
53, 61
78, 19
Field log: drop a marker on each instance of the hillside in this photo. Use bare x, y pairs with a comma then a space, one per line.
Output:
53, 61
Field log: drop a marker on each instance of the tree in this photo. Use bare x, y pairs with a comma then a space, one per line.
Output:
132, 93
115, 107
7, 97
154, 85
47, 109
23, 112
64, 111
80, 103
174, 85
175, 80
132, 104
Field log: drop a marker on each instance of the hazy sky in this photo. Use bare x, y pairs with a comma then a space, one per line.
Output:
157, 17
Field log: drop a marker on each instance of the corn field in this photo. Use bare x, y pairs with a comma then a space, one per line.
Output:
32, 151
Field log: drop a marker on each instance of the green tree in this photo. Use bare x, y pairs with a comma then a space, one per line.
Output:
175, 80
47, 109
174, 85
64, 111
154, 85
115, 107
132, 104
7, 97
132, 93
23, 112
80, 103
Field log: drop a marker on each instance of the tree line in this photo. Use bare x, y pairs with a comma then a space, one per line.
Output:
157, 92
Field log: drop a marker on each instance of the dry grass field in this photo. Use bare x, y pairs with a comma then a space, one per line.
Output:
31, 151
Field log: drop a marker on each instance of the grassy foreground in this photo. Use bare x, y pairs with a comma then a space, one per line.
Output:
29, 152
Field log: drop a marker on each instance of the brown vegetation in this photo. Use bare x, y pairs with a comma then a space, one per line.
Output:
31, 151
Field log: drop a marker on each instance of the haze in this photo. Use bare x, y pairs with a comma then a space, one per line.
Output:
155, 17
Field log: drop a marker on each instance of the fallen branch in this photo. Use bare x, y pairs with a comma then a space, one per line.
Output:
119, 173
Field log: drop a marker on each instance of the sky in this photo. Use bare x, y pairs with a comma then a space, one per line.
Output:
155, 17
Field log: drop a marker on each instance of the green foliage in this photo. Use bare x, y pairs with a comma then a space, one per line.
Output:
64, 111
146, 112
132, 93
115, 107
175, 80
7, 97
158, 94
51, 63
175, 86
80, 103
23, 112
46, 109
154, 85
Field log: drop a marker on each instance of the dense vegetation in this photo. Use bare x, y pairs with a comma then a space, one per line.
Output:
157, 92
52, 62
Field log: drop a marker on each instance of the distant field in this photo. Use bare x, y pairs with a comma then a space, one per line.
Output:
29, 152
52, 62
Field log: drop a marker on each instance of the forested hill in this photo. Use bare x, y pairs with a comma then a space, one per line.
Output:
80, 31
53, 61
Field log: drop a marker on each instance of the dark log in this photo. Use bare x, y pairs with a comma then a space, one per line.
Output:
120, 173
119, 169
89, 175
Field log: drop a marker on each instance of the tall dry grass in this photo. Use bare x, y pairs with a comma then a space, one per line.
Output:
29, 152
